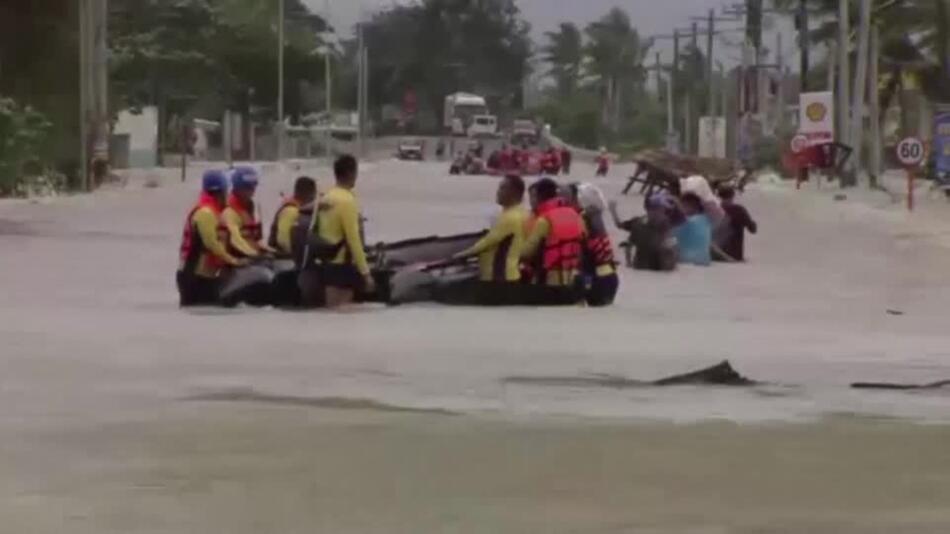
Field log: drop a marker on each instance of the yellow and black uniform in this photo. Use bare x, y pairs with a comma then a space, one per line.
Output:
282, 227
499, 252
244, 230
203, 254
339, 223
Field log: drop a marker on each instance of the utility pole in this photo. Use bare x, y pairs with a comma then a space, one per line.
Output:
360, 85
674, 75
710, 39
860, 87
874, 160
691, 107
329, 84
84, 93
844, 71
280, 79
780, 94
803, 36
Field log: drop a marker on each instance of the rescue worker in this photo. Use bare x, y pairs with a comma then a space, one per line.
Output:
285, 288
305, 192
566, 158
603, 162
345, 272
499, 252
599, 266
556, 243
204, 254
244, 230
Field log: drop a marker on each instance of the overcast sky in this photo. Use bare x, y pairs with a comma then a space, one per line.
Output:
651, 17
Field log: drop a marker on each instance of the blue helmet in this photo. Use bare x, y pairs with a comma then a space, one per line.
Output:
244, 178
214, 181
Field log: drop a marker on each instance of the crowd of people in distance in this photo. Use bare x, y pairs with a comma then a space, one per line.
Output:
695, 227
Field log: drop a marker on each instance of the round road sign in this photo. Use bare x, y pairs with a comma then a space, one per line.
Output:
910, 152
799, 143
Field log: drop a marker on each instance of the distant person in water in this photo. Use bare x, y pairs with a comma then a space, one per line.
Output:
738, 221
694, 235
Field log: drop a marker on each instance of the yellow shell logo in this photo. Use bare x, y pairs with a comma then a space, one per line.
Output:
816, 112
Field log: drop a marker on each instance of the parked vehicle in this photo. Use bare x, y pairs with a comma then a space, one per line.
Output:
411, 148
483, 126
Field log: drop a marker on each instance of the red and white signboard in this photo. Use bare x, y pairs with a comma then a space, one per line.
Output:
911, 152
799, 143
817, 117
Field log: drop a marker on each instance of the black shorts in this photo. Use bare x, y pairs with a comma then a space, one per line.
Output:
342, 276
194, 290
603, 290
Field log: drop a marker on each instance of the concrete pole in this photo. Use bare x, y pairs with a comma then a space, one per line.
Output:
328, 74
84, 93
674, 83
803, 32
832, 71
692, 109
280, 79
359, 86
100, 79
780, 94
875, 157
860, 87
844, 71
710, 91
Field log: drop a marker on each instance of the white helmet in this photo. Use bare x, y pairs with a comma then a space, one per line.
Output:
591, 198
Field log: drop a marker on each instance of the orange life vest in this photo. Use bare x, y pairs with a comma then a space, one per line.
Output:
562, 246
251, 229
192, 248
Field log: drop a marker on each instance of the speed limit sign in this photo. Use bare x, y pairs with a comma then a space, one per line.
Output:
910, 152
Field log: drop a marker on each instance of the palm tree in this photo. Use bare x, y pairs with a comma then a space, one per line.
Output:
915, 42
565, 53
615, 58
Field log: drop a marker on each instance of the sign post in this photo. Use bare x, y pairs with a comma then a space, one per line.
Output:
911, 152
941, 145
799, 145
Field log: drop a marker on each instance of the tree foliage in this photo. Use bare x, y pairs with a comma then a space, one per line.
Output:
564, 52
915, 40
599, 84
436, 47
176, 53
23, 133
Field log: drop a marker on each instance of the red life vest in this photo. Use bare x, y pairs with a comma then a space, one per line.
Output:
191, 245
562, 246
251, 229
600, 250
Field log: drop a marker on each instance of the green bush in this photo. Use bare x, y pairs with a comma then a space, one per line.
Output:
23, 132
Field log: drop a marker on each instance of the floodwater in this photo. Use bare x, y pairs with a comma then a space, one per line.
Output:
121, 413
89, 312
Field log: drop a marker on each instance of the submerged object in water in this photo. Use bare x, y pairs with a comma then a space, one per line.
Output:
721, 374
901, 387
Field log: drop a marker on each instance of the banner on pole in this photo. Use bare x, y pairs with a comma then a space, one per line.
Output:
817, 117
941, 144
712, 137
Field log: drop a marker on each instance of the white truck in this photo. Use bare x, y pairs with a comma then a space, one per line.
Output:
467, 115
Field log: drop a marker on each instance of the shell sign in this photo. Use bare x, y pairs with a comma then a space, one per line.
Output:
816, 120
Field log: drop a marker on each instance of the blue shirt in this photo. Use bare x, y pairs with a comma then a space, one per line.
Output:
694, 238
